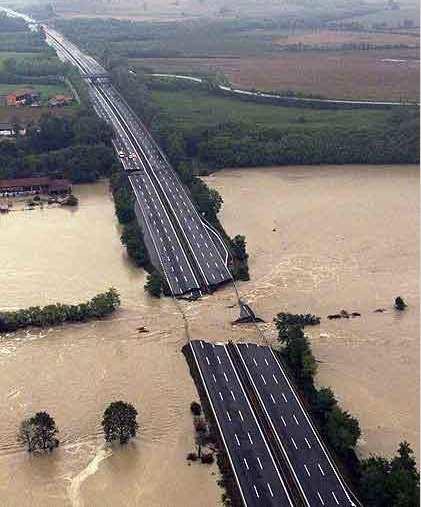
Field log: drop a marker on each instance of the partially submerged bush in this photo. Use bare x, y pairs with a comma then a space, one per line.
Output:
195, 408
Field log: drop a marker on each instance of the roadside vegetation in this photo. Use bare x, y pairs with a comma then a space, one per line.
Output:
154, 284
379, 482
132, 234
204, 439
99, 306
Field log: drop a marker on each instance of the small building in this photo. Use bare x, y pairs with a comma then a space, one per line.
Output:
60, 101
22, 97
6, 130
31, 186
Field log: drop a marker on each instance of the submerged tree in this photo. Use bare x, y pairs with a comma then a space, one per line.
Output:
119, 422
195, 408
154, 284
38, 433
400, 304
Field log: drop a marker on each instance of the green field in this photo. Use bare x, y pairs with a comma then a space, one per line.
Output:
195, 109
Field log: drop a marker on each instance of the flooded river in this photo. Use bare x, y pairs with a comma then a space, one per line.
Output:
321, 239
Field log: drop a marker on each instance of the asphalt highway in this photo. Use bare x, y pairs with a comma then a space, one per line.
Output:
200, 239
312, 468
174, 263
254, 466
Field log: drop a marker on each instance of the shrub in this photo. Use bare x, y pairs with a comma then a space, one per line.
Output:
207, 458
400, 304
195, 408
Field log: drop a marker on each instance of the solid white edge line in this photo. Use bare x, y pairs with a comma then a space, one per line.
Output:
175, 176
98, 95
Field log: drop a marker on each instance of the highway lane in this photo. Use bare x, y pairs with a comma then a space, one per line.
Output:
313, 469
55, 38
256, 471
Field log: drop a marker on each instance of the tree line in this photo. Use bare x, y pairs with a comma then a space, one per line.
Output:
76, 147
132, 235
240, 144
45, 64
99, 306
380, 482
39, 433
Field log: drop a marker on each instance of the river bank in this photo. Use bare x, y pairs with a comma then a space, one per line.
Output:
345, 237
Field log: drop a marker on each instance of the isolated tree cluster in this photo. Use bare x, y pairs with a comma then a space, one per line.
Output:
38, 434
99, 306
119, 422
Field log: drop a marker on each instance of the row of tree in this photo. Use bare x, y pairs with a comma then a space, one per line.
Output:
76, 147
99, 306
41, 65
235, 144
380, 482
346, 46
9, 24
132, 235
39, 433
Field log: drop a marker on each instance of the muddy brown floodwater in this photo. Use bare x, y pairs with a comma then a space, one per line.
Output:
321, 239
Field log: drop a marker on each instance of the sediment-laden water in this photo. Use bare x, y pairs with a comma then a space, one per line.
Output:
321, 239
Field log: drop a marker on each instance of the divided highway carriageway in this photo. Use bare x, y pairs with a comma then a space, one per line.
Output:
275, 452
189, 253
